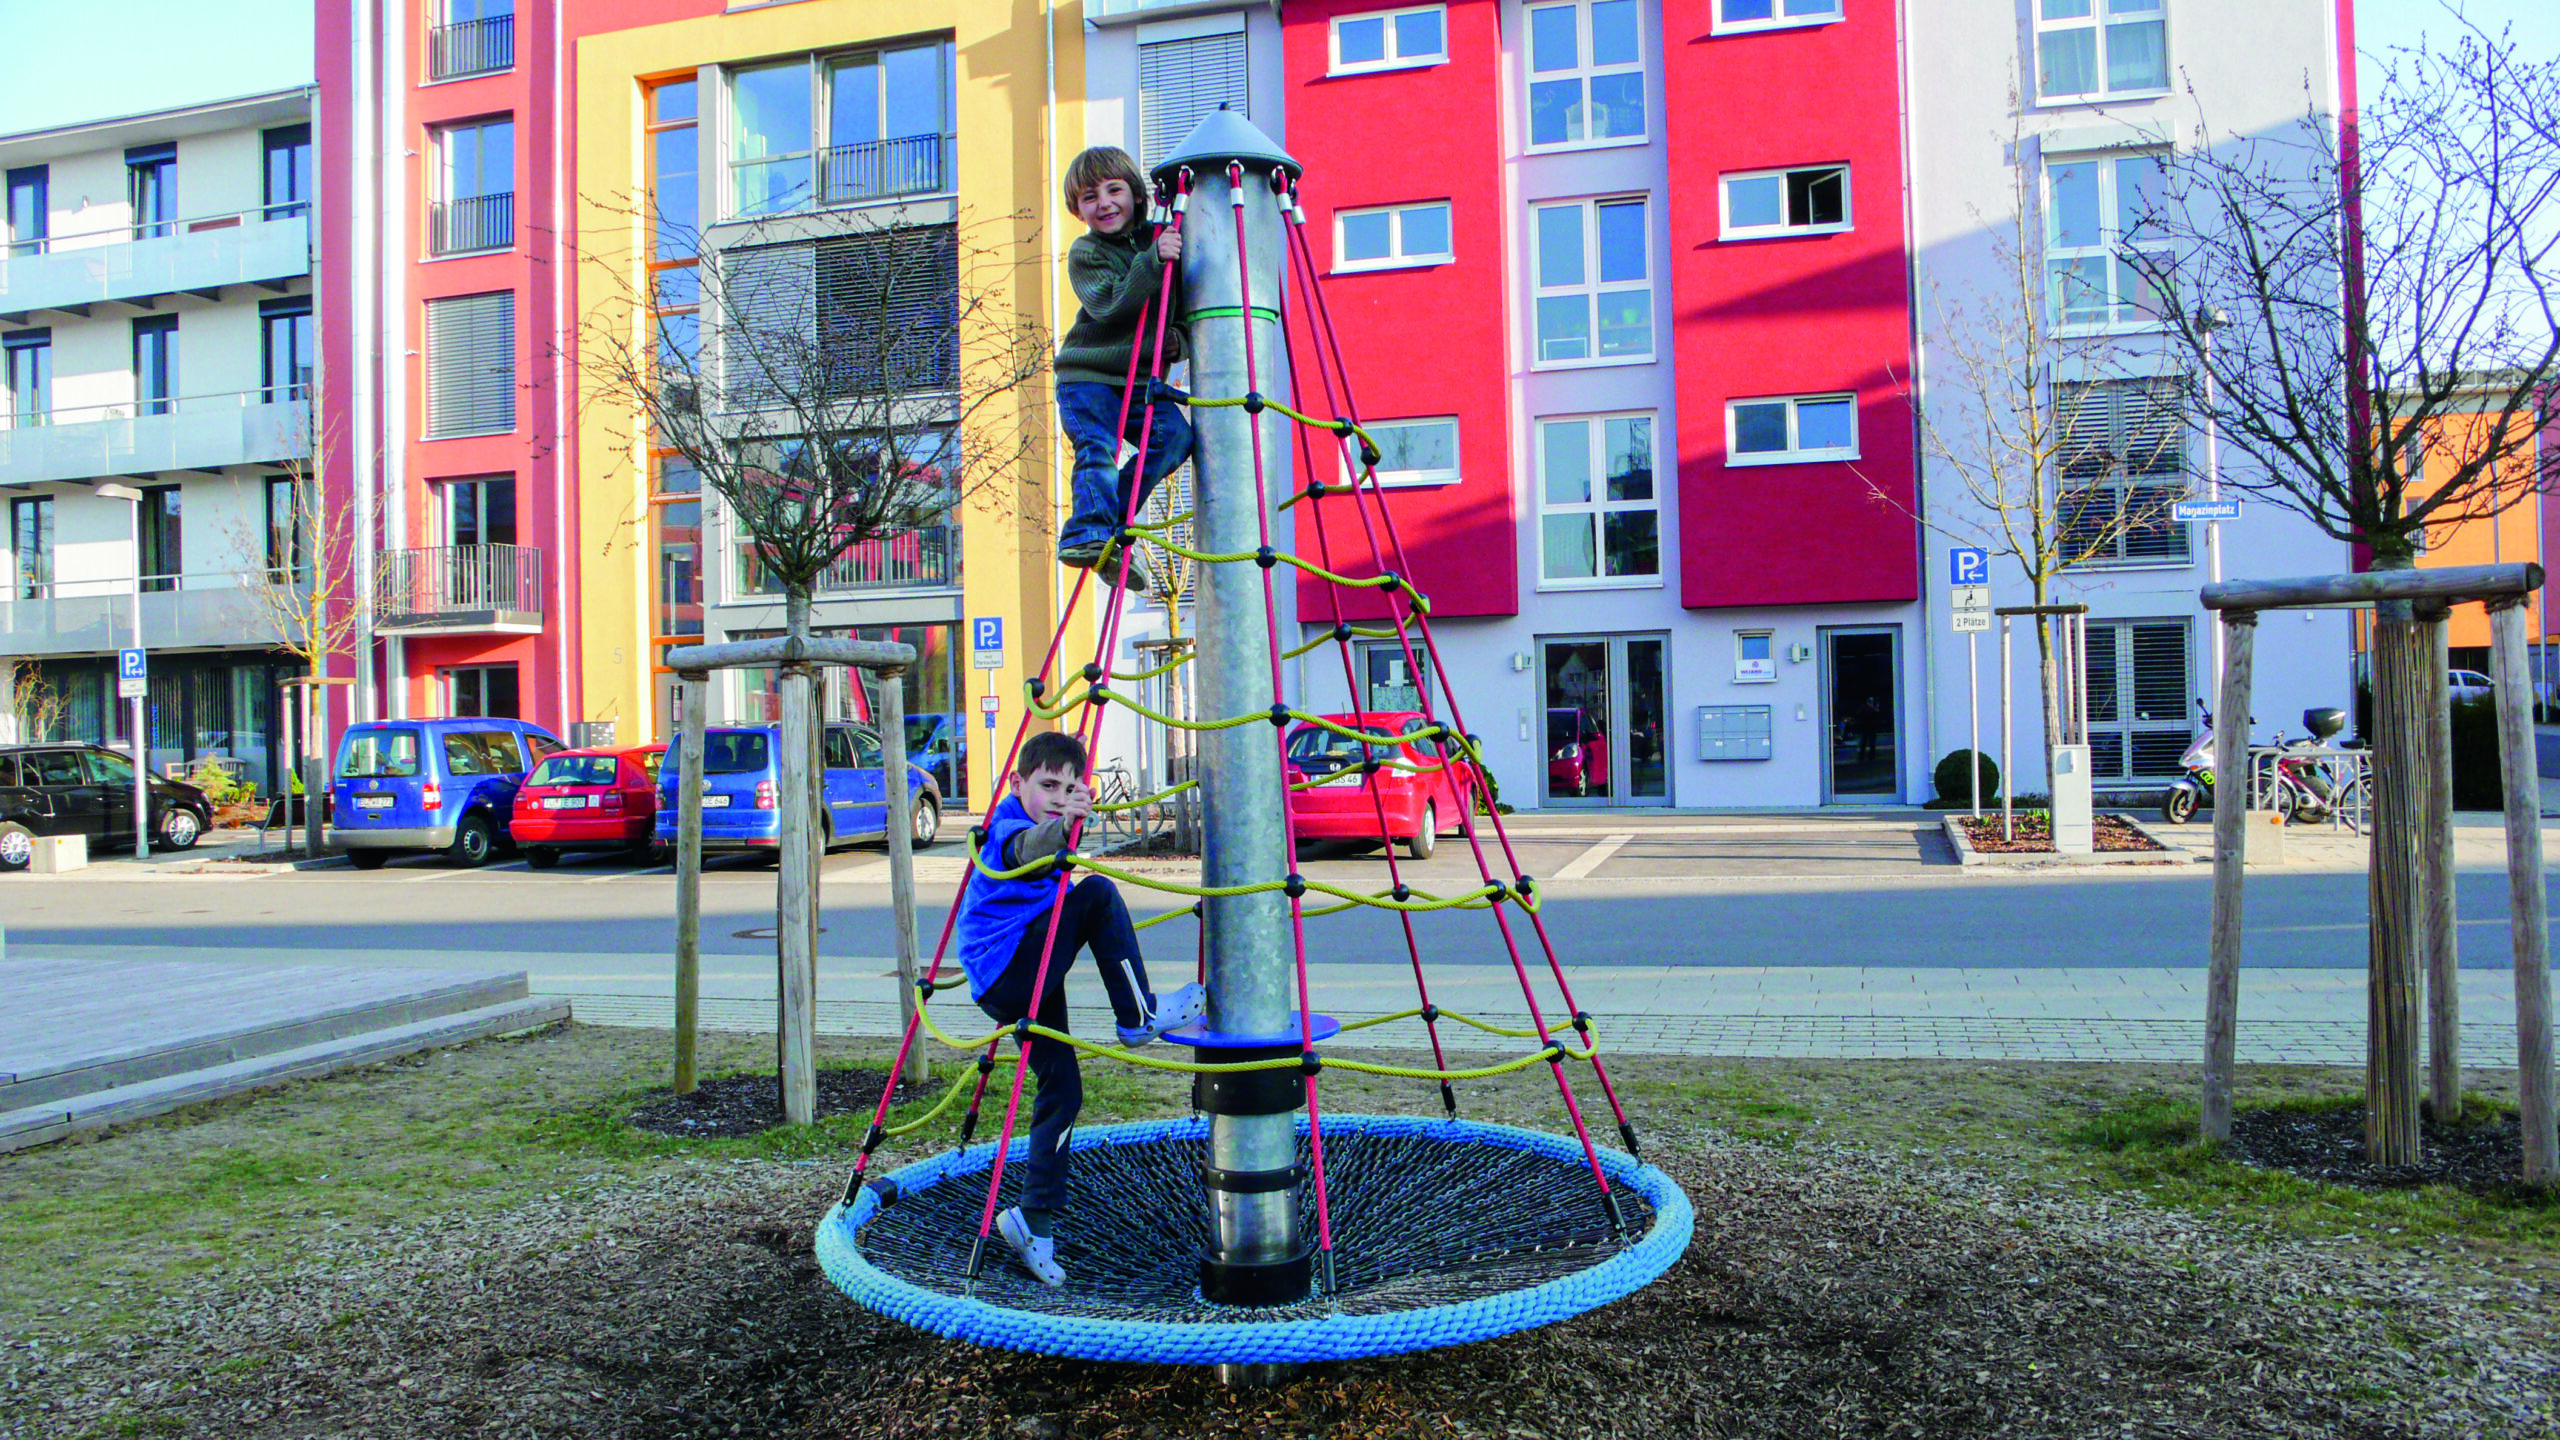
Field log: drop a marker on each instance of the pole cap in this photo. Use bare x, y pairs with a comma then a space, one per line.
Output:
1223, 135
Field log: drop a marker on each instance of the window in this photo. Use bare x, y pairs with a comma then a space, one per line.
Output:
288, 184
1594, 300
287, 349
1598, 515
2094, 211
30, 212
883, 307
1755, 661
288, 530
163, 549
1390, 39
155, 365
840, 129
2122, 463
2139, 680
1811, 200
483, 690
475, 208
1586, 74
675, 274
1180, 81
471, 365
475, 37
1734, 16
31, 543
1791, 429
1410, 452
1387, 682
151, 187
1392, 237
479, 512
29, 358
2081, 52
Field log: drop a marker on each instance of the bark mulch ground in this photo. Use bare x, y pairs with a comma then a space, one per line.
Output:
2482, 1154
738, 1105
2031, 834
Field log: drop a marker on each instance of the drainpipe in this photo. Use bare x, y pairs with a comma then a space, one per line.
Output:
1927, 749
364, 442
564, 553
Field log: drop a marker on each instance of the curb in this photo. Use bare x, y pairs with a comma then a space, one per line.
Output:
2049, 860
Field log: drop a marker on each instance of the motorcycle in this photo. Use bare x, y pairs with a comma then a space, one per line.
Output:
2195, 787
2307, 791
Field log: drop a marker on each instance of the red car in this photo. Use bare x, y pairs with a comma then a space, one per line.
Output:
599, 799
1427, 794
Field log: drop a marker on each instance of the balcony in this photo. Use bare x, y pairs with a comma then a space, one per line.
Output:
459, 589
90, 617
471, 47
475, 222
925, 559
197, 432
883, 169
266, 246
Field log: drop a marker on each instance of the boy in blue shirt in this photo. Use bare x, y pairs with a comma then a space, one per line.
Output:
1003, 924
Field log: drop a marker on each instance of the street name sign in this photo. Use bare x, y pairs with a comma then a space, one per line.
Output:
2185, 511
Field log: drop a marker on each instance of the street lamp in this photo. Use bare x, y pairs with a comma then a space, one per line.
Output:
141, 733
2206, 323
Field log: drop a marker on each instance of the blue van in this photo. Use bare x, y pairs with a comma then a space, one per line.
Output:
741, 794
406, 786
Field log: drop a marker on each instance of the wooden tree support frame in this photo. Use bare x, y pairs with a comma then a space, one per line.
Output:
2412, 839
802, 842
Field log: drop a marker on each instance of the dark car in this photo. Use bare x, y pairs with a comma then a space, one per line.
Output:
75, 789
445, 784
741, 801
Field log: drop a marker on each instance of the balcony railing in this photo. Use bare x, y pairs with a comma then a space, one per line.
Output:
928, 558
492, 588
237, 247
475, 222
879, 169
471, 47
84, 617
145, 437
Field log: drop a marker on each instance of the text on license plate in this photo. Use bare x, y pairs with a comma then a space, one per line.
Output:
715, 802
565, 802
373, 802
1340, 777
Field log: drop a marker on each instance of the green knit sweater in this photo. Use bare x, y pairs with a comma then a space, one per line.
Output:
1114, 276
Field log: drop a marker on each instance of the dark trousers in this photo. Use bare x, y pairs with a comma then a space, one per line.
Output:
1090, 414
1095, 919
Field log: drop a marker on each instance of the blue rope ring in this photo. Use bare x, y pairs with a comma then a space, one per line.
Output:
1570, 1273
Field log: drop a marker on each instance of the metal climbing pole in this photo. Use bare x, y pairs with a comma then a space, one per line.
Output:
1257, 1255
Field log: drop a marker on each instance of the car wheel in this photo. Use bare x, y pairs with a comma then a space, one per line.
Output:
472, 842
17, 846
368, 859
179, 829
540, 857
1426, 839
927, 821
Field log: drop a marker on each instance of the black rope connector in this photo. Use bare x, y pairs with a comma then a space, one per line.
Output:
1065, 860
1315, 490
1528, 885
1039, 687
1344, 427
977, 837
1279, 716
1092, 673
987, 1063
1555, 1052
1266, 557
1098, 695
1370, 455
1394, 580
1430, 1014
1341, 630
1199, 908
1582, 1021
872, 1141
1253, 402
1309, 1062
924, 986
1022, 1029
1372, 765
1402, 891
1295, 886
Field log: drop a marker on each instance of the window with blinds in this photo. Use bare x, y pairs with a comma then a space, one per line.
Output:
1179, 81
471, 365
2122, 459
2140, 696
856, 315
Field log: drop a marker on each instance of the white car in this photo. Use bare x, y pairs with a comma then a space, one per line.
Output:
2468, 685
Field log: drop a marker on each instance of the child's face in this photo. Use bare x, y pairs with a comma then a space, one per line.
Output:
1106, 205
1044, 793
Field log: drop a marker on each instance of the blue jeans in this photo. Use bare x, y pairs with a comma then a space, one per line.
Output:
1091, 415
1094, 917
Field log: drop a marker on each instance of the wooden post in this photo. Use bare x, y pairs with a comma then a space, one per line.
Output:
794, 892
901, 825
2527, 918
2444, 973
2398, 884
2230, 846
688, 857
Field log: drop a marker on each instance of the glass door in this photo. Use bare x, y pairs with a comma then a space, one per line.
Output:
1605, 699
1862, 715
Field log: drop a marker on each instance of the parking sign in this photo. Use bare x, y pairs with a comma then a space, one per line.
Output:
133, 674
1968, 567
986, 642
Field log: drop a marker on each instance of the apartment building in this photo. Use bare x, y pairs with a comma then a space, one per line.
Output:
157, 434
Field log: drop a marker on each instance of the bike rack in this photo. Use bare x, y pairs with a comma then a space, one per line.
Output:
2357, 779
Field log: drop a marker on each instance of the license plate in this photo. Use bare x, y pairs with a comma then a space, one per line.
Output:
373, 802
715, 802
565, 802
1340, 777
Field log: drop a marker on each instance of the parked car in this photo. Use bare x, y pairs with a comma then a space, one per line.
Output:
940, 743
604, 798
75, 789
2461, 685
1336, 803
1577, 752
741, 790
406, 786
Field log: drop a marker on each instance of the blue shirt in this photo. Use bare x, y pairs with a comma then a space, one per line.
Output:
994, 913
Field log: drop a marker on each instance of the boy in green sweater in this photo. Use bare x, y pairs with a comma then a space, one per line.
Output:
1116, 269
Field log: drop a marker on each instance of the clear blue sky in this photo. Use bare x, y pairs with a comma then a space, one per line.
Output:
75, 60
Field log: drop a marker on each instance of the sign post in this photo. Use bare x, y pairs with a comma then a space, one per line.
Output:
1969, 608
986, 652
133, 682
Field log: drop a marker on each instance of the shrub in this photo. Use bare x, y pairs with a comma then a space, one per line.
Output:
1954, 786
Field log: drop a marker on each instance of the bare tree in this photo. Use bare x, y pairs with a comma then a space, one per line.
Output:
34, 705
304, 581
2367, 311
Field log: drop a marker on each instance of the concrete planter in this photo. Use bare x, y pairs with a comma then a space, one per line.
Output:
2040, 859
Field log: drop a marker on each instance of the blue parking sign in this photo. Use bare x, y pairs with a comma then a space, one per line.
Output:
131, 664
1968, 567
986, 632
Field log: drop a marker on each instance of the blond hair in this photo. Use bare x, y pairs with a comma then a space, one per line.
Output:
1107, 162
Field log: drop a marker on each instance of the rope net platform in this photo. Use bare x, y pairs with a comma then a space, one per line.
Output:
1262, 1230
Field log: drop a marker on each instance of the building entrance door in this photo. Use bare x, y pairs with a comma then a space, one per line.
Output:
1605, 698
1862, 715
